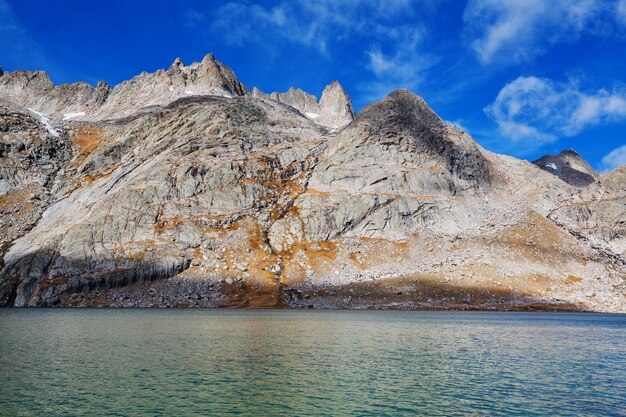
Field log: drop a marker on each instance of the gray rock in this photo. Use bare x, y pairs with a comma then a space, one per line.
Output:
81, 101
334, 109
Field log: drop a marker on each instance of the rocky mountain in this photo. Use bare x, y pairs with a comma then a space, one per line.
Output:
145, 92
34, 90
221, 197
334, 109
568, 166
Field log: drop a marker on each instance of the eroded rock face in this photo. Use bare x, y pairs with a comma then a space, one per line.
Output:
32, 151
237, 199
159, 185
600, 214
568, 166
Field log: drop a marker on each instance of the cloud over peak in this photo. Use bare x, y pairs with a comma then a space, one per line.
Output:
390, 34
400, 65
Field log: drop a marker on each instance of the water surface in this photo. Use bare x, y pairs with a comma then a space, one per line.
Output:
76, 362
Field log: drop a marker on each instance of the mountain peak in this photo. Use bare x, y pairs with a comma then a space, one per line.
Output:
210, 57
402, 123
334, 86
569, 166
335, 106
403, 108
34, 89
178, 63
256, 92
570, 153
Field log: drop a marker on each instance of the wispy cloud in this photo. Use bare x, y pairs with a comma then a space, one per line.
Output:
620, 9
315, 24
401, 65
615, 158
392, 49
517, 31
15, 42
239, 22
539, 110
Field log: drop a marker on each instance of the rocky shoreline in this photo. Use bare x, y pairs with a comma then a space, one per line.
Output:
409, 295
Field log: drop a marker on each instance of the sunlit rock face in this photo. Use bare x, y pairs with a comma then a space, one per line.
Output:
182, 188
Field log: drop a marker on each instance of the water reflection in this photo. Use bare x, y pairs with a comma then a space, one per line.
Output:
199, 362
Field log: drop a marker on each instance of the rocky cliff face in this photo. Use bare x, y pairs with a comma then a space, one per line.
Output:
157, 197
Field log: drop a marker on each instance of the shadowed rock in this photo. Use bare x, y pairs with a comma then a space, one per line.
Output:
568, 166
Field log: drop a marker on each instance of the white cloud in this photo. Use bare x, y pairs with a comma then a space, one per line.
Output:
16, 44
540, 110
519, 131
620, 9
403, 61
401, 65
392, 51
614, 158
315, 24
519, 30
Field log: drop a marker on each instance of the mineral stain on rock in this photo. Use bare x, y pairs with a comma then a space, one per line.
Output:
182, 188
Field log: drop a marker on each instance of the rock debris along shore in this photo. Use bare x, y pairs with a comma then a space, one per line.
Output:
184, 188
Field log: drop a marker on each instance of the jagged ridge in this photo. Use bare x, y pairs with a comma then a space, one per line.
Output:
81, 101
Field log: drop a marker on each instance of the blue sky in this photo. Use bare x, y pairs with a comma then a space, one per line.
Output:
524, 78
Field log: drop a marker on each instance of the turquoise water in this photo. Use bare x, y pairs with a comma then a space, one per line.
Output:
63, 362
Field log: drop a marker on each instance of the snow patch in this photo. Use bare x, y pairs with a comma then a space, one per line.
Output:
312, 115
551, 165
68, 116
46, 122
189, 92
